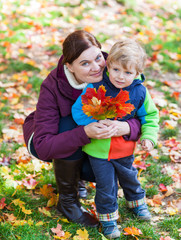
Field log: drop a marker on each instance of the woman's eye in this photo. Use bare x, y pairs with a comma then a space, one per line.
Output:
85, 64
128, 73
115, 69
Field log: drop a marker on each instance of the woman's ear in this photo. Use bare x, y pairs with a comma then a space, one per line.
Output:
69, 66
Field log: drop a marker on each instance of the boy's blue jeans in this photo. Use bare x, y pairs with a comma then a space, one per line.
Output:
106, 174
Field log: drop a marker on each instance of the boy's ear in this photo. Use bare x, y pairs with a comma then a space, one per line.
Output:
138, 73
69, 66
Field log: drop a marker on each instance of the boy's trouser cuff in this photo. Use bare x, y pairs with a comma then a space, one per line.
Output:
135, 203
108, 216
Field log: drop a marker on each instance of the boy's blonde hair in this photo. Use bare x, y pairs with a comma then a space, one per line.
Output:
128, 52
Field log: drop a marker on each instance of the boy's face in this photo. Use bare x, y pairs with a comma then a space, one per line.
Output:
121, 77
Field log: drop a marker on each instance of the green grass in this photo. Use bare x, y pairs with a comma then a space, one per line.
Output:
18, 66
164, 159
35, 82
171, 225
167, 133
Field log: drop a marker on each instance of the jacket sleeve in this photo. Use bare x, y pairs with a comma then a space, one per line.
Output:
135, 130
149, 116
77, 113
48, 142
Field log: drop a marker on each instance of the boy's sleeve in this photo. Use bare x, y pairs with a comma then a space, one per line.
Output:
149, 116
77, 113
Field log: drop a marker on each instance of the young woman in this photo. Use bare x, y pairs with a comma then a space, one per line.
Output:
51, 133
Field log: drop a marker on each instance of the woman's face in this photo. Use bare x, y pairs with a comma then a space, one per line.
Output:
89, 66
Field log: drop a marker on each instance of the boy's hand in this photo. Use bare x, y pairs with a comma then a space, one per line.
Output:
147, 145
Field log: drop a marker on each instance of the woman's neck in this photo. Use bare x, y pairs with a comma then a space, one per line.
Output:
72, 80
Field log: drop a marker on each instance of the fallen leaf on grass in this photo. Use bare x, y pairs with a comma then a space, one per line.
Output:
132, 231
2, 203
65, 220
169, 192
162, 187
9, 217
81, 235
52, 201
156, 200
26, 211
47, 190
171, 211
20, 222
166, 238
44, 211
40, 223
30, 184
58, 230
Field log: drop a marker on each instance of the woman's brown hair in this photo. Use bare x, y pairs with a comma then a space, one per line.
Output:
77, 42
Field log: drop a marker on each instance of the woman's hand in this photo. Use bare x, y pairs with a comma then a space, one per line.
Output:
123, 128
99, 130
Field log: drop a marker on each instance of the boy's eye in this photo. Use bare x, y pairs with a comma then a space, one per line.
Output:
128, 73
98, 57
115, 69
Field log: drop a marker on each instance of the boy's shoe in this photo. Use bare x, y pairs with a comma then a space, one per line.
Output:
110, 229
142, 212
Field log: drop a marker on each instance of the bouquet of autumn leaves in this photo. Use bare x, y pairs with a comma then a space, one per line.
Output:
99, 106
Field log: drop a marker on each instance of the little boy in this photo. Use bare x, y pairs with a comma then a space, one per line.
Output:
112, 159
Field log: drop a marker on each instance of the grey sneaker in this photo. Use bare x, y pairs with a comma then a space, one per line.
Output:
142, 212
110, 229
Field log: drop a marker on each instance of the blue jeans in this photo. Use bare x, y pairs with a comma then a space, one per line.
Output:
107, 173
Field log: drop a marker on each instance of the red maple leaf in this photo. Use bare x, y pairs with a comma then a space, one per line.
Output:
2, 203
99, 106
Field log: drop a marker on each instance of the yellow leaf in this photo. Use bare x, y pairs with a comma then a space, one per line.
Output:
81, 234
64, 220
40, 223
65, 237
44, 211
30, 222
14, 101
18, 202
1, 104
26, 211
5, 170
172, 211
20, 50
52, 201
19, 223
88, 28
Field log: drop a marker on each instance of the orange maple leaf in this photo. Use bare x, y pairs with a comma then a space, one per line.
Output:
47, 190
132, 231
99, 106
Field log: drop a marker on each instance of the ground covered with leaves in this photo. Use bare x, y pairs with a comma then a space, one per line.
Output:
31, 34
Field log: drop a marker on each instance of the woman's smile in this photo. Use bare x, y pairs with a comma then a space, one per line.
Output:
89, 66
